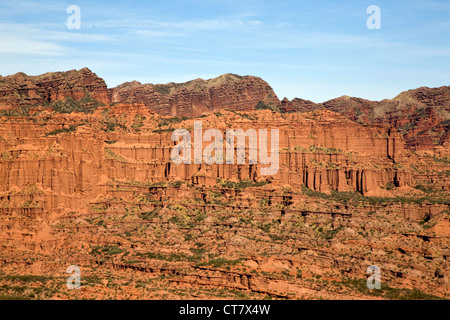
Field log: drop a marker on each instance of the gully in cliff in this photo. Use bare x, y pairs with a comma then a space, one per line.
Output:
256, 151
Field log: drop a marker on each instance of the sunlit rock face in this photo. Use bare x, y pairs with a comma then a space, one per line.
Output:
87, 179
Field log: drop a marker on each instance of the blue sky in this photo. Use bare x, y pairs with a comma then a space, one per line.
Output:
316, 50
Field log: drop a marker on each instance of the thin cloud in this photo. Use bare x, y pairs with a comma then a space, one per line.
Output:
29, 40
304, 40
15, 45
193, 25
431, 5
18, 7
156, 34
29, 31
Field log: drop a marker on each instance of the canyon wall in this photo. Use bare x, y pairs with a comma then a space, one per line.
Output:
89, 180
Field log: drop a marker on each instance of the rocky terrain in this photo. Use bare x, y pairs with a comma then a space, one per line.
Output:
199, 96
86, 179
23, 90
422, 115
188, 99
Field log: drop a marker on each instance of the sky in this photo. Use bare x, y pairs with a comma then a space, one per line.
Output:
316, 50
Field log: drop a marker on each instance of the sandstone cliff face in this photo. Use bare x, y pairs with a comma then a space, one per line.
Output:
321, 150
299, 105
197, 97
421, 115
99, 190
188, 99
23, 90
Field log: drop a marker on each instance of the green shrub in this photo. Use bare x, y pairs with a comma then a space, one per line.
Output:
425, 189
149, 215
138, 123
176, 184
107, 250
321, 149
243, 184
358, 198
22, 111
26, 278
328, 235
169, 257
111, 155
163, 130
389, 186
69, 105
389, 292
5, 156
162, 122
263, 106
162, 89
220, 262
71, 128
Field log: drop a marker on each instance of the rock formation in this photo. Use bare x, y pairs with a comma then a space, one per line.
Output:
23, 90
199, 96
421, 115
97, 188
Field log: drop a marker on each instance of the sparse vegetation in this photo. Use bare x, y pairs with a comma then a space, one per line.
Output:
315, 149
5, 156
243, 184
109, 154
220, 262
69, 105
22, 111
357, 198
389, 292
71, 128
162, 122
149, 215
263, 106
106, 250
138, 123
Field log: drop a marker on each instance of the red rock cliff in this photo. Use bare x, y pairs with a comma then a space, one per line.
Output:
23, 90
198, 96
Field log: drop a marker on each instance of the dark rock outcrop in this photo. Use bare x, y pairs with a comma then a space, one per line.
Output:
23, 90
198, 96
